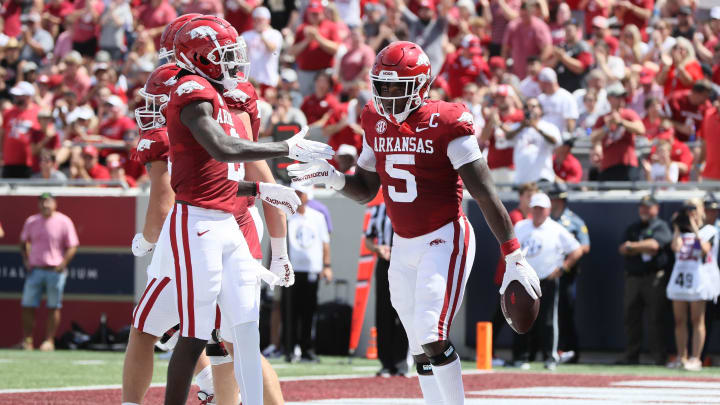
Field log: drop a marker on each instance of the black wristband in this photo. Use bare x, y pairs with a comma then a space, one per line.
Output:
256, 189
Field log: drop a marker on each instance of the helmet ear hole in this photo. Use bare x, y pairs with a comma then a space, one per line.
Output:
203, 60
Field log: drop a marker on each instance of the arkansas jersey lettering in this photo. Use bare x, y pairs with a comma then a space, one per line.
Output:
404, 144
416, 175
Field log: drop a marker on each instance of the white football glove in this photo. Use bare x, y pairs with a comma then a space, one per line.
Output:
517, 268
140, 246
279, 196
306, 150
316, 172
280, 264
268, 276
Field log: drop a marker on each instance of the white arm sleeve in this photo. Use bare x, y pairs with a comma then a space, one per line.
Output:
367, 157
463, 150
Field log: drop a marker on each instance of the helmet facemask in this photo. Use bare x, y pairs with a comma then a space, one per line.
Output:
396, 97
151, 115
232, 59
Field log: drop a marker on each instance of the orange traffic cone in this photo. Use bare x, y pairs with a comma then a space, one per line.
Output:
371, 352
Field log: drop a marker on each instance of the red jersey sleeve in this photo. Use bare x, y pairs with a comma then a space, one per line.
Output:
152, 146
249, 105
457, 119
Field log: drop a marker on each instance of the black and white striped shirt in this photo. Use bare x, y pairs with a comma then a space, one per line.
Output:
379, 226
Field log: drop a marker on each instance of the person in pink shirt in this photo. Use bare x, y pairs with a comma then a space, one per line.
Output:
526, 36
48, 243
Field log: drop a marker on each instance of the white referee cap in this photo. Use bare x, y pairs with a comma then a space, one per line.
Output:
540, 200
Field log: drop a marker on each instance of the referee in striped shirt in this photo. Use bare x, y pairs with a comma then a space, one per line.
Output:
391, 338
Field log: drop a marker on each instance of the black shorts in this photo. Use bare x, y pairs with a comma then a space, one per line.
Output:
87, 48
16, 172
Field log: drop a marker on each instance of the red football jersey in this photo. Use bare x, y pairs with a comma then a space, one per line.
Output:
680, 109
152, 146
249, 106
196, 177
421, 188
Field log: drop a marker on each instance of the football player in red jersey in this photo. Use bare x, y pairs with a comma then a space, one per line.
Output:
210, 258
418, 150
151, 319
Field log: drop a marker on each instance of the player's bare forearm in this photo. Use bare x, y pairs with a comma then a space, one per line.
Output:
162, 198
476, 177
362, 187
197, 117
276, 223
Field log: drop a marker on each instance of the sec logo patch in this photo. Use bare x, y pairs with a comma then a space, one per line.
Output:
381, 127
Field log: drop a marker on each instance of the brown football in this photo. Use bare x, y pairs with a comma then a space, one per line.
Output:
519, 308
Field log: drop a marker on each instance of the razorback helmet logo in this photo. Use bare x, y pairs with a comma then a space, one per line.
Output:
202, 32
400, 65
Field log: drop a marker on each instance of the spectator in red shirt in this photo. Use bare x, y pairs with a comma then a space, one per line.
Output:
686, 109
58, 10
654, 122
89, 168
44, 138
117, 171
503, 12
680, 69
85, 19
357, 62
526, 36
117, 128
320, 106
566, 166
710, 145
17, 123
153, 18
704, 47
345, 128
594, 8
601, 32
614, 134
316, 43
465, 66
680, 153
239, 13
500, 152
11, 11
635, 12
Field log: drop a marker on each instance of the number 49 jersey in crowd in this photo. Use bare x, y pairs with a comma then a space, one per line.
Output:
417, 163
196, 177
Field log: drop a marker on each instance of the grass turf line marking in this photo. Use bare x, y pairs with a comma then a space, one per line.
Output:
668, 384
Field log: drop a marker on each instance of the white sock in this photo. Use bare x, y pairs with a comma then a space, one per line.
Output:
204, 380
430, 390
449, 381
248, 368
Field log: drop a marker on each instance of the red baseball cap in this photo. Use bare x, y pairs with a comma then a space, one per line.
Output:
427, 4
315, 7
90, 150
496, 62
647, 75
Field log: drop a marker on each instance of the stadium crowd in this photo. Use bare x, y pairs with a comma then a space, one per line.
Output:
631, 84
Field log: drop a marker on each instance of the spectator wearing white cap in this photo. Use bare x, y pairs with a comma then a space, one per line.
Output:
551, 250
264, 43
17, 123
704, 47
35, 42
559, 106
534, 140
309, 252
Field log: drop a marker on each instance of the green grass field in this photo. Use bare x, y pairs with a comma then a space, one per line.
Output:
21, 369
